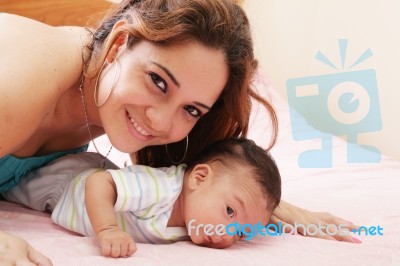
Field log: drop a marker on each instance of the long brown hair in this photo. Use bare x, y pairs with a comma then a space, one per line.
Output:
218, 24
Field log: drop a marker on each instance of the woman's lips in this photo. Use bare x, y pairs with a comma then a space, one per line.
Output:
137, 131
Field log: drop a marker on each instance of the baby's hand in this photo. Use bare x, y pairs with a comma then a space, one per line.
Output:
116, 243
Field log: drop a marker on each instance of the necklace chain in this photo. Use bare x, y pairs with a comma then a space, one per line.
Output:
87, 124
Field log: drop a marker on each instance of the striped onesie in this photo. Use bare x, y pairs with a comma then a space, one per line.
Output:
145, 197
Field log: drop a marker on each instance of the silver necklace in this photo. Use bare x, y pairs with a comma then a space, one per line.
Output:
87, 124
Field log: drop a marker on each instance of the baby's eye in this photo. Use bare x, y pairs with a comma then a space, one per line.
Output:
159, 82
193, 111
230, 211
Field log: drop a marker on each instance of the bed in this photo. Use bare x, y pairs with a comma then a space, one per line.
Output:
366, 194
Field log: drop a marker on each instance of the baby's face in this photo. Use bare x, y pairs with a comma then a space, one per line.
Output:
216, 211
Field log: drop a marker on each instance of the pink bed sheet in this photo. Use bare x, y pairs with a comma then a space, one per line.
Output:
366, 194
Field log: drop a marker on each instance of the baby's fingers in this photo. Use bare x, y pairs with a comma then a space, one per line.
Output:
106, 249
131, 248
116, 250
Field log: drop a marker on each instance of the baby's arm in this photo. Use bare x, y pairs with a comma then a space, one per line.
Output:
100, 197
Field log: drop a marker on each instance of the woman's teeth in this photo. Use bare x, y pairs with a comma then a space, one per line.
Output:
138, 128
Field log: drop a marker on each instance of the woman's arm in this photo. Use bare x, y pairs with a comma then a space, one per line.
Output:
288, 214
100, 197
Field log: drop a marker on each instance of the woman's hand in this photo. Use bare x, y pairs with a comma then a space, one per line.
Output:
329, 225
16, 251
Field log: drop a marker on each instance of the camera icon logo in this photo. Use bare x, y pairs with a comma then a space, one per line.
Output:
344, 103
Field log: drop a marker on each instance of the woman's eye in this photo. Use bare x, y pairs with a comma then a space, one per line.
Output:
159, 82
230, 211
193, 111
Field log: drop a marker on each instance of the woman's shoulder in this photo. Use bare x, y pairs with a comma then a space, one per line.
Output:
18, 26
38, 63
38, 56
21, 36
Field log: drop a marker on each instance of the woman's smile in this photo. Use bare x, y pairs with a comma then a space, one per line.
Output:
137, 130
162, 92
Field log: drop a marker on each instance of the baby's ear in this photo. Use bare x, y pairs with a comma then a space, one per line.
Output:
198, 176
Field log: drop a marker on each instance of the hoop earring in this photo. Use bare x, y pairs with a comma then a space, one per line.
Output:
116, 73
184, 155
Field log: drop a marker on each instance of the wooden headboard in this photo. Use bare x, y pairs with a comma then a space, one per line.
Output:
58, 12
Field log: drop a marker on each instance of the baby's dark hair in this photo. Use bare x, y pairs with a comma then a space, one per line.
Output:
245, 151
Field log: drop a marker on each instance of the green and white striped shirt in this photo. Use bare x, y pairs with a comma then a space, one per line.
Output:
143, 207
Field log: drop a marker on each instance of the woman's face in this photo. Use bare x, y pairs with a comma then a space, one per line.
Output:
160, 92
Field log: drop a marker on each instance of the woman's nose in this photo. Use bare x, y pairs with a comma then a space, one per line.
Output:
161, 117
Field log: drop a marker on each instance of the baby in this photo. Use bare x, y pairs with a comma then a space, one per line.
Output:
234, 182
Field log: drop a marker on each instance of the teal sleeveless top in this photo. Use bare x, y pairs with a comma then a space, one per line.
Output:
13, 168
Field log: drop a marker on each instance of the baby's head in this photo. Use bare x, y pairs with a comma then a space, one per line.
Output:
233, 183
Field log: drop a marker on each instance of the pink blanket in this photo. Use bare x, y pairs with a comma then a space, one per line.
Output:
365, 194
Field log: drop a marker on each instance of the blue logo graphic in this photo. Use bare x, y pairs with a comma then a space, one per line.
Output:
344, 104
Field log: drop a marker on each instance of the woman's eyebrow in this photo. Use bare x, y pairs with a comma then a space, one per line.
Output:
172, 77
166, 70
203, 105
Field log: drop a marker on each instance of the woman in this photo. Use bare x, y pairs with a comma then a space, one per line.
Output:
153, 73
